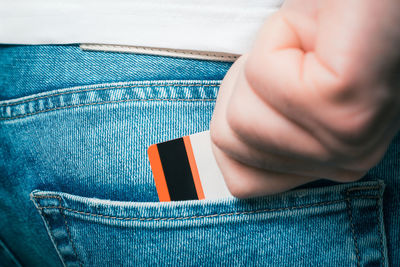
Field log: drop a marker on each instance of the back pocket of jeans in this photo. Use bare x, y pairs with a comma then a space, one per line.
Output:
338, 225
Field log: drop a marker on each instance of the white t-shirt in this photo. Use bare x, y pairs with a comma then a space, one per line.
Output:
207, 25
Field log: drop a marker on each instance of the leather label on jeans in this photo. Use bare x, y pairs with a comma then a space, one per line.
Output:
180, 53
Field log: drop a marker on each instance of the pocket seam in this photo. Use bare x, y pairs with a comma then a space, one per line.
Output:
378, 218
60, 207
110, 88
102, 103
353, 234
380, 224
70, 237
44, 216
109, 93
348, 195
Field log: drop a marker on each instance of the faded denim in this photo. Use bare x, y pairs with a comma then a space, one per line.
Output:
77, 189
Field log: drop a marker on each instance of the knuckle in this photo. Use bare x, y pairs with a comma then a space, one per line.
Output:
238, 189
341, 87
217, 137
349, 116
349, 177
349, 133
236, 118
253, 71
240, 116
340, 90
352, 130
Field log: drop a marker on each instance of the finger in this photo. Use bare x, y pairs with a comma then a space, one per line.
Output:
244, 181
290, 79
224, 94
252, 152
252, 148
250, 156
258, 124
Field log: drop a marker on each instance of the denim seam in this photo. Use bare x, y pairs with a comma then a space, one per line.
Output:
380, 232
48, 228
102, 103
196, 217
353, 234
362, 188
69, 235
109, 88
66, 227
379, 222
50, 233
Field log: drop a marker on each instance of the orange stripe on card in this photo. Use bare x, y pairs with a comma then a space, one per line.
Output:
193, 167
158, 172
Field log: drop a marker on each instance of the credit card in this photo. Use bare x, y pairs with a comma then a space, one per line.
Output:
185, 169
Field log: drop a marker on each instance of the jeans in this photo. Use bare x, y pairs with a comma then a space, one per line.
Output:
77, 189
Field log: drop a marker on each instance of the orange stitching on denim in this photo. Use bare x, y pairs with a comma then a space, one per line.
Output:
380, 231
109, 88
353, 233
70, 238
196, 217
44, 197
190, 217
105, 102
363, 188
65, 222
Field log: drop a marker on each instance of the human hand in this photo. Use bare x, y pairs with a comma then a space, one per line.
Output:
318, 96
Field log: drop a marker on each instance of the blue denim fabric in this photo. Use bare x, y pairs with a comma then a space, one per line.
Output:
30, 70
76, 187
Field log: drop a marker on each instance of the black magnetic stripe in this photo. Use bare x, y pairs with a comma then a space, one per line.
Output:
177, 170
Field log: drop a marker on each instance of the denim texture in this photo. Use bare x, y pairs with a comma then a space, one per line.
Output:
77, 190
316, 227
33, 69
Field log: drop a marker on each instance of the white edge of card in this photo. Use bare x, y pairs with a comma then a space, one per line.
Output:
211, 178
